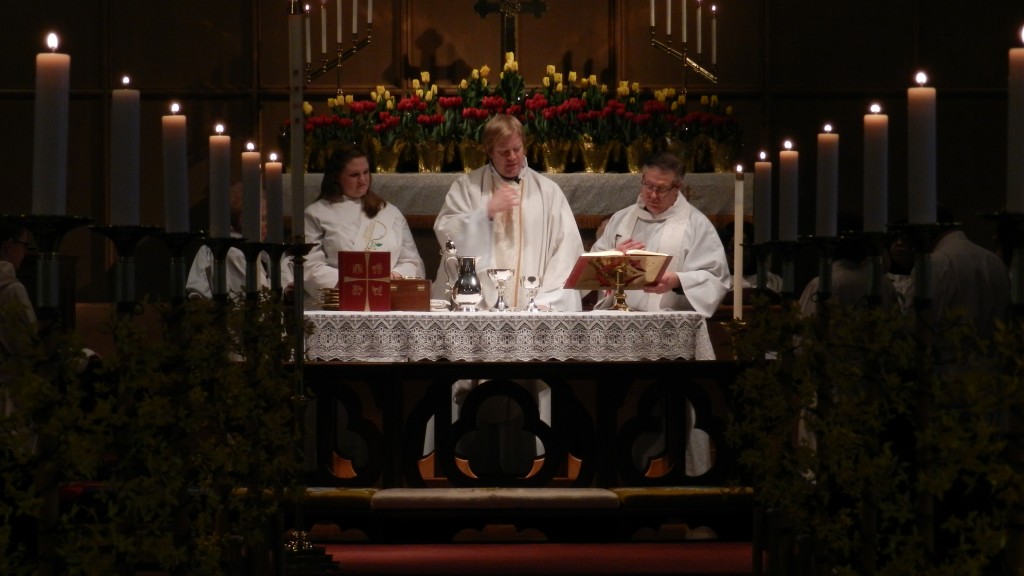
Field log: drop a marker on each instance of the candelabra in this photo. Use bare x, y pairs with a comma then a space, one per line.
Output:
125, 238
787, 251
682, 53
341, 55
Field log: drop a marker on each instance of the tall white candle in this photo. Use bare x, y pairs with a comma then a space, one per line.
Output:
272, 175
220, 184
323, 26
876, 170
698, 28
652, 13
683, 10
50, 146
355, 21
175, 140
668, 18
762, 200
309, 50
828, 183
921, 163
339, 21
369, 11
714, 35
251, 201
789, 177
737, 247
124, 156
1015, 132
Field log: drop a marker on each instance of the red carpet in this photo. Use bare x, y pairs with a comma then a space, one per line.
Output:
635, 559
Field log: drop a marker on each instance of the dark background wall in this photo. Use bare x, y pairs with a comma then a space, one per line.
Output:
786, 68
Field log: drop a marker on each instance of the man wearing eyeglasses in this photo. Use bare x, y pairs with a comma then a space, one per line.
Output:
662, 220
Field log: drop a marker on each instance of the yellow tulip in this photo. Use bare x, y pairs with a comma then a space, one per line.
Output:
546, 81
387, 95
307, 108
510, 56
419, 93
433, 89
415, 84
593, 79
622, 91
604, 88
390, 105
572, 76
485, 70
550, 70
728, 110
463, 85
475, 74
515, 66
703, 100
558, 77
483, 82
670, 92
584, 83
332, 102
428, 95
682, 98
559, 88
380, 89
636, 87
374, 96
714, 101
425, 76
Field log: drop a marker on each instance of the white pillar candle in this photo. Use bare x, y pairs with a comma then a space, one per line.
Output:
309, 50
355, 16
369, 11
124, 156
698, 28
921, 163
251, 196
828, 183
714, 35
789, 162
668, 18
737, 247
652, 13
220, 184
1015, 133
175, 141
876, 170
682, 32
762, 200
50, 146
272, 172
323, 26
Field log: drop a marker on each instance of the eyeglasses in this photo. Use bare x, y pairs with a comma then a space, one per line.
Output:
657, 190
509, 152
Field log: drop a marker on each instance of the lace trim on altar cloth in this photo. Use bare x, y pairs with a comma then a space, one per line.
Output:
508, 336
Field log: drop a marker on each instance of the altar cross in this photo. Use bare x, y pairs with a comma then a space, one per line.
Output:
510, 10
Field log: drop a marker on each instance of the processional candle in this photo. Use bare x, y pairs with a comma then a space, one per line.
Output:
921, 164
828, 183
50, 146
737, 246
220, 184
175, 140
124, 156
876, 170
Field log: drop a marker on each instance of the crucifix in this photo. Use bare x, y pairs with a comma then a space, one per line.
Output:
510, 10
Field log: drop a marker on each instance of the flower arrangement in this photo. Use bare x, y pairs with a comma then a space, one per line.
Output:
560, 109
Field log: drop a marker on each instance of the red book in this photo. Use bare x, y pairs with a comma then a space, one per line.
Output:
364, 281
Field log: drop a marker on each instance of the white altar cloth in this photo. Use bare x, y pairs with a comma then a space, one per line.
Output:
507, 336
593, 194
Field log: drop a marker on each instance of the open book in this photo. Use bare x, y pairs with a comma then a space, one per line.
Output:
603, 270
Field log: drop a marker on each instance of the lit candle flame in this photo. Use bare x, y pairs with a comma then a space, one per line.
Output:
51, 41
250, 146
739, 168
219, 129
828, 128
763, 155
713, 9
273, 157
125, 80
1022, 34
788, 145
175, 108
921, 78
875, 109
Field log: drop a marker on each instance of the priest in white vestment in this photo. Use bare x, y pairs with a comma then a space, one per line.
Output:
697, 279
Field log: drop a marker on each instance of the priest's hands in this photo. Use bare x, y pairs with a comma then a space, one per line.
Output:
502, 200
669, 281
